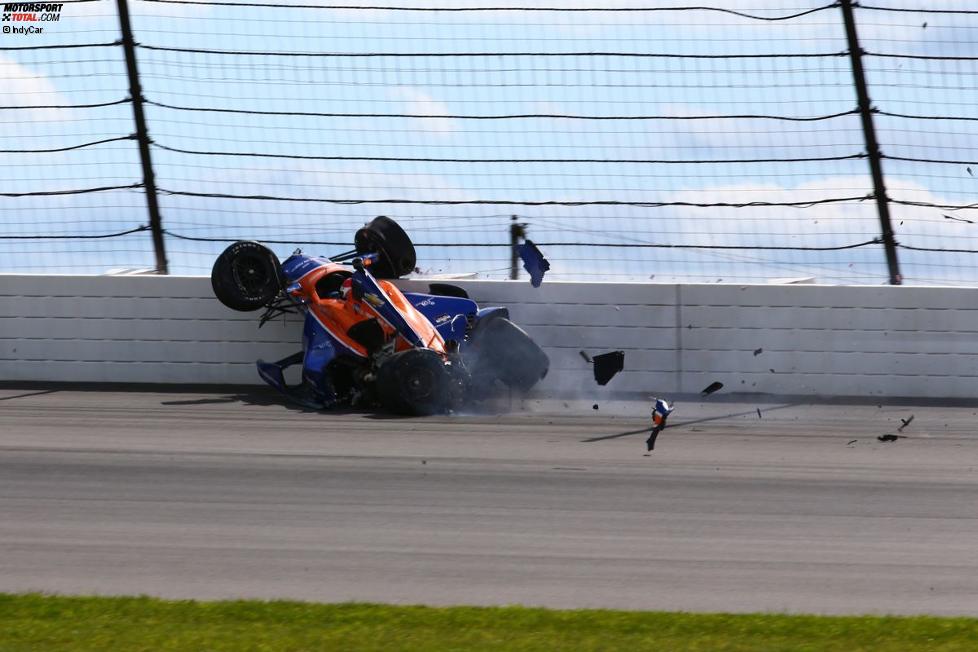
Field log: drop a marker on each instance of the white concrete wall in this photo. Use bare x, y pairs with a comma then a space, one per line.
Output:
859, 341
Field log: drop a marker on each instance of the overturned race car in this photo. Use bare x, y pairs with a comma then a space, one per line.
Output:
364, 342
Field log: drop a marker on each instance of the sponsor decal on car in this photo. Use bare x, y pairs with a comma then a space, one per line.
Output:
373, 299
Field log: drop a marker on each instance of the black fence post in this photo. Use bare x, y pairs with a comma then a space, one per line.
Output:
142, 137
872, 146
516, 231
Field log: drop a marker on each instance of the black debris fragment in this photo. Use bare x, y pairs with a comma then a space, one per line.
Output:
904, 423
650, 442
586, 357
851, 442
890, 437
533, 262
759, 413
713, 387
772, 371
970, 173
607, 365
758, 352
594, 407
924, 26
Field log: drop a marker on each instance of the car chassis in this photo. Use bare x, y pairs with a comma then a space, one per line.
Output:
367, 343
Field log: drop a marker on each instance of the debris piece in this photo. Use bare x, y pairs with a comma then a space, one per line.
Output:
851, 442
924, 26
607, 365
905, 423
650, 442
772, 371
889, 437
970, 173
586, 357
956, 219
424, 461
660, 412
533, 262
758, 352
759, 413
713, 387
594, 407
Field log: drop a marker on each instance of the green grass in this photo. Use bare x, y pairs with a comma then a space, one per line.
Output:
51, 623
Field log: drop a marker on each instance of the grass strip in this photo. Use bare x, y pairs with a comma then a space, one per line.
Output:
52, 623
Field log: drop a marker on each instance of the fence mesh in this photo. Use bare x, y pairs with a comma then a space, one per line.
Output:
636, 141
922, 68
65, 129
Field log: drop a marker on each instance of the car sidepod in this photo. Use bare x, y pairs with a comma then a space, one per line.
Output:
449, 315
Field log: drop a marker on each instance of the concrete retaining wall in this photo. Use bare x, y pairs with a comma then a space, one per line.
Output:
859, 341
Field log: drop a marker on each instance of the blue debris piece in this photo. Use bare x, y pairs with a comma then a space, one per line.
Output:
533, 262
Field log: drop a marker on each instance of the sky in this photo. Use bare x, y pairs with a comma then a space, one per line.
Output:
455, 66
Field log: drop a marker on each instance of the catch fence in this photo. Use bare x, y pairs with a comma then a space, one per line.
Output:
740, 142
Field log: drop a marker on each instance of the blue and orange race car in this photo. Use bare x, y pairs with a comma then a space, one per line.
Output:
366, 343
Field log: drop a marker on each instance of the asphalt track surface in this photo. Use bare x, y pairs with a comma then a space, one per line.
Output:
225, 495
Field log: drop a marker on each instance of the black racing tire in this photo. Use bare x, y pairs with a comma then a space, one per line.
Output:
384, 236
414, 382
246, 276
503, 350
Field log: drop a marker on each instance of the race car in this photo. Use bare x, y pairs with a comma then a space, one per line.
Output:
366, 343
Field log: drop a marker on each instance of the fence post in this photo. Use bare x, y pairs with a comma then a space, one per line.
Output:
516, 231
142, 137
872, 146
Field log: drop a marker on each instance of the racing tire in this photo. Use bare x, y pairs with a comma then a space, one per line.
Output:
384, 236
504, 351
246, 276
414, 382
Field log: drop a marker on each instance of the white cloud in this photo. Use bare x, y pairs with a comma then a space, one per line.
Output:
826, 224
25, 87
420, 103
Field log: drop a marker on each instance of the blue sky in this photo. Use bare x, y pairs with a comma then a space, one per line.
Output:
479, 85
